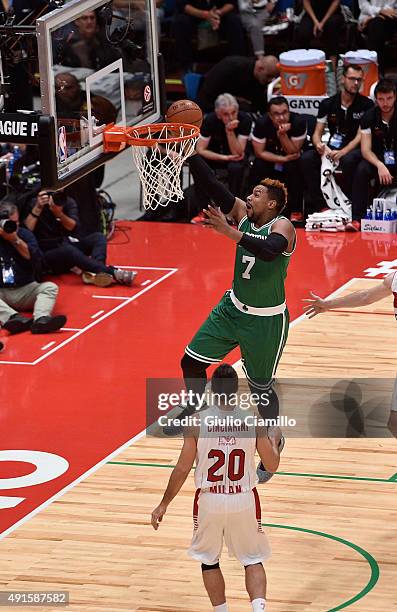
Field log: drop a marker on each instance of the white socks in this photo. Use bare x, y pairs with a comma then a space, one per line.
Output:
222, 608
258, 605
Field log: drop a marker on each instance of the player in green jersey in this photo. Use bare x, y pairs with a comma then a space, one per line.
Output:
253, 314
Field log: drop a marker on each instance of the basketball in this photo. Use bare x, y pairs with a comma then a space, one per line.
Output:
185, 111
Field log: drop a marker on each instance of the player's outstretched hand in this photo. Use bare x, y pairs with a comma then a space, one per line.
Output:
216, 219
157, 515
315, 306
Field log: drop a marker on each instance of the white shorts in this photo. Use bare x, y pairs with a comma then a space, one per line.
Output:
235, 518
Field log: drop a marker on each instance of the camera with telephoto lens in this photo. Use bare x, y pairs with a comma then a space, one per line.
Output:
8, 226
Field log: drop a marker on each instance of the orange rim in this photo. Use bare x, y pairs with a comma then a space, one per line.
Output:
122, 134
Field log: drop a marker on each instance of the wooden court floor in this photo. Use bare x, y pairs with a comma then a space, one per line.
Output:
330, 513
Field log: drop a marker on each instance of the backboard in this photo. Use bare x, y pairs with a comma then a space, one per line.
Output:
94, 71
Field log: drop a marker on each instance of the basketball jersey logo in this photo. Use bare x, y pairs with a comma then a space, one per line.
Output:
227, 441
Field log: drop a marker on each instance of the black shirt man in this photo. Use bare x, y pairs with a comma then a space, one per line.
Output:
342, 113
277, 139
378, 148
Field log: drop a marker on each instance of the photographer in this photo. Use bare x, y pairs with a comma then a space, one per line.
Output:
19, 259
53, 218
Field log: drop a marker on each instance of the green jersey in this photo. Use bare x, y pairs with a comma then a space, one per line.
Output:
256, 282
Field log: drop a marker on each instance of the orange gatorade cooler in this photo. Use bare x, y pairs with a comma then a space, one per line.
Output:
303, 72
368, 60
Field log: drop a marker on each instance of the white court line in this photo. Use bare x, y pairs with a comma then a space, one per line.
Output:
132, 440
110, 297
70, 328
71, 485
146, 282
44, 348
107, 314
94, 316
142, 267
17, 363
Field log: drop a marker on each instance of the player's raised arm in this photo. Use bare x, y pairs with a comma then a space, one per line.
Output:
177, 478
317, 305
206, 180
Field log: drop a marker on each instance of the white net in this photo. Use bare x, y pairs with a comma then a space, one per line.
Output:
160, 166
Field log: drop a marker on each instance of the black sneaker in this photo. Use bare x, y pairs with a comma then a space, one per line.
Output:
46, 325
176, 430
17, 324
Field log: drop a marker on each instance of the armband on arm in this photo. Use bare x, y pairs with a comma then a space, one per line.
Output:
267, 249
206, 180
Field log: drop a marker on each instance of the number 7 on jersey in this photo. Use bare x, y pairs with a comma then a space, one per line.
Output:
250, 261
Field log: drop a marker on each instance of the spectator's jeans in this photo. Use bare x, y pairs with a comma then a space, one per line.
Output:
67, 256
253, 23
185, 27
363, 176
330, 37
94, 245
291, 175
39, 297
310, 162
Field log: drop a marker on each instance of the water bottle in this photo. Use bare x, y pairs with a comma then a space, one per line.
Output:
369, 213
17, 152
394, 214
10, 168
378, 213
387, 215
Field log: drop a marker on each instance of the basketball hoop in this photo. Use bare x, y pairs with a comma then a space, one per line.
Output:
159, 151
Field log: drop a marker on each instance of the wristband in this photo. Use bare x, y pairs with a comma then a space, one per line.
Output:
34, 215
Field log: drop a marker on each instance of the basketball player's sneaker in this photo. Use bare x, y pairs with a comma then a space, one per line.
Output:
199, 219
176, 429
261, 471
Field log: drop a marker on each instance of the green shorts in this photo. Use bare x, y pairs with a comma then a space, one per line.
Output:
261, 340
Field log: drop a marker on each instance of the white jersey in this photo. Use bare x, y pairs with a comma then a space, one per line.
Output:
225, 459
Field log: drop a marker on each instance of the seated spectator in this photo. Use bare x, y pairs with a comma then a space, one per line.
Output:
278, 138
55, 222
19, 290
254, 15
87, 48
219, 15
342, 113
378, 21
137, 10
322, 21
378, 148
71, 108
243, 77
223, 143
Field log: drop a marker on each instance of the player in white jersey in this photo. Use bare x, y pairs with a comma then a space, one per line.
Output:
318, 305
226, 504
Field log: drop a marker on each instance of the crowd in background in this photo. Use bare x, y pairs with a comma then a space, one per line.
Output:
232, 48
